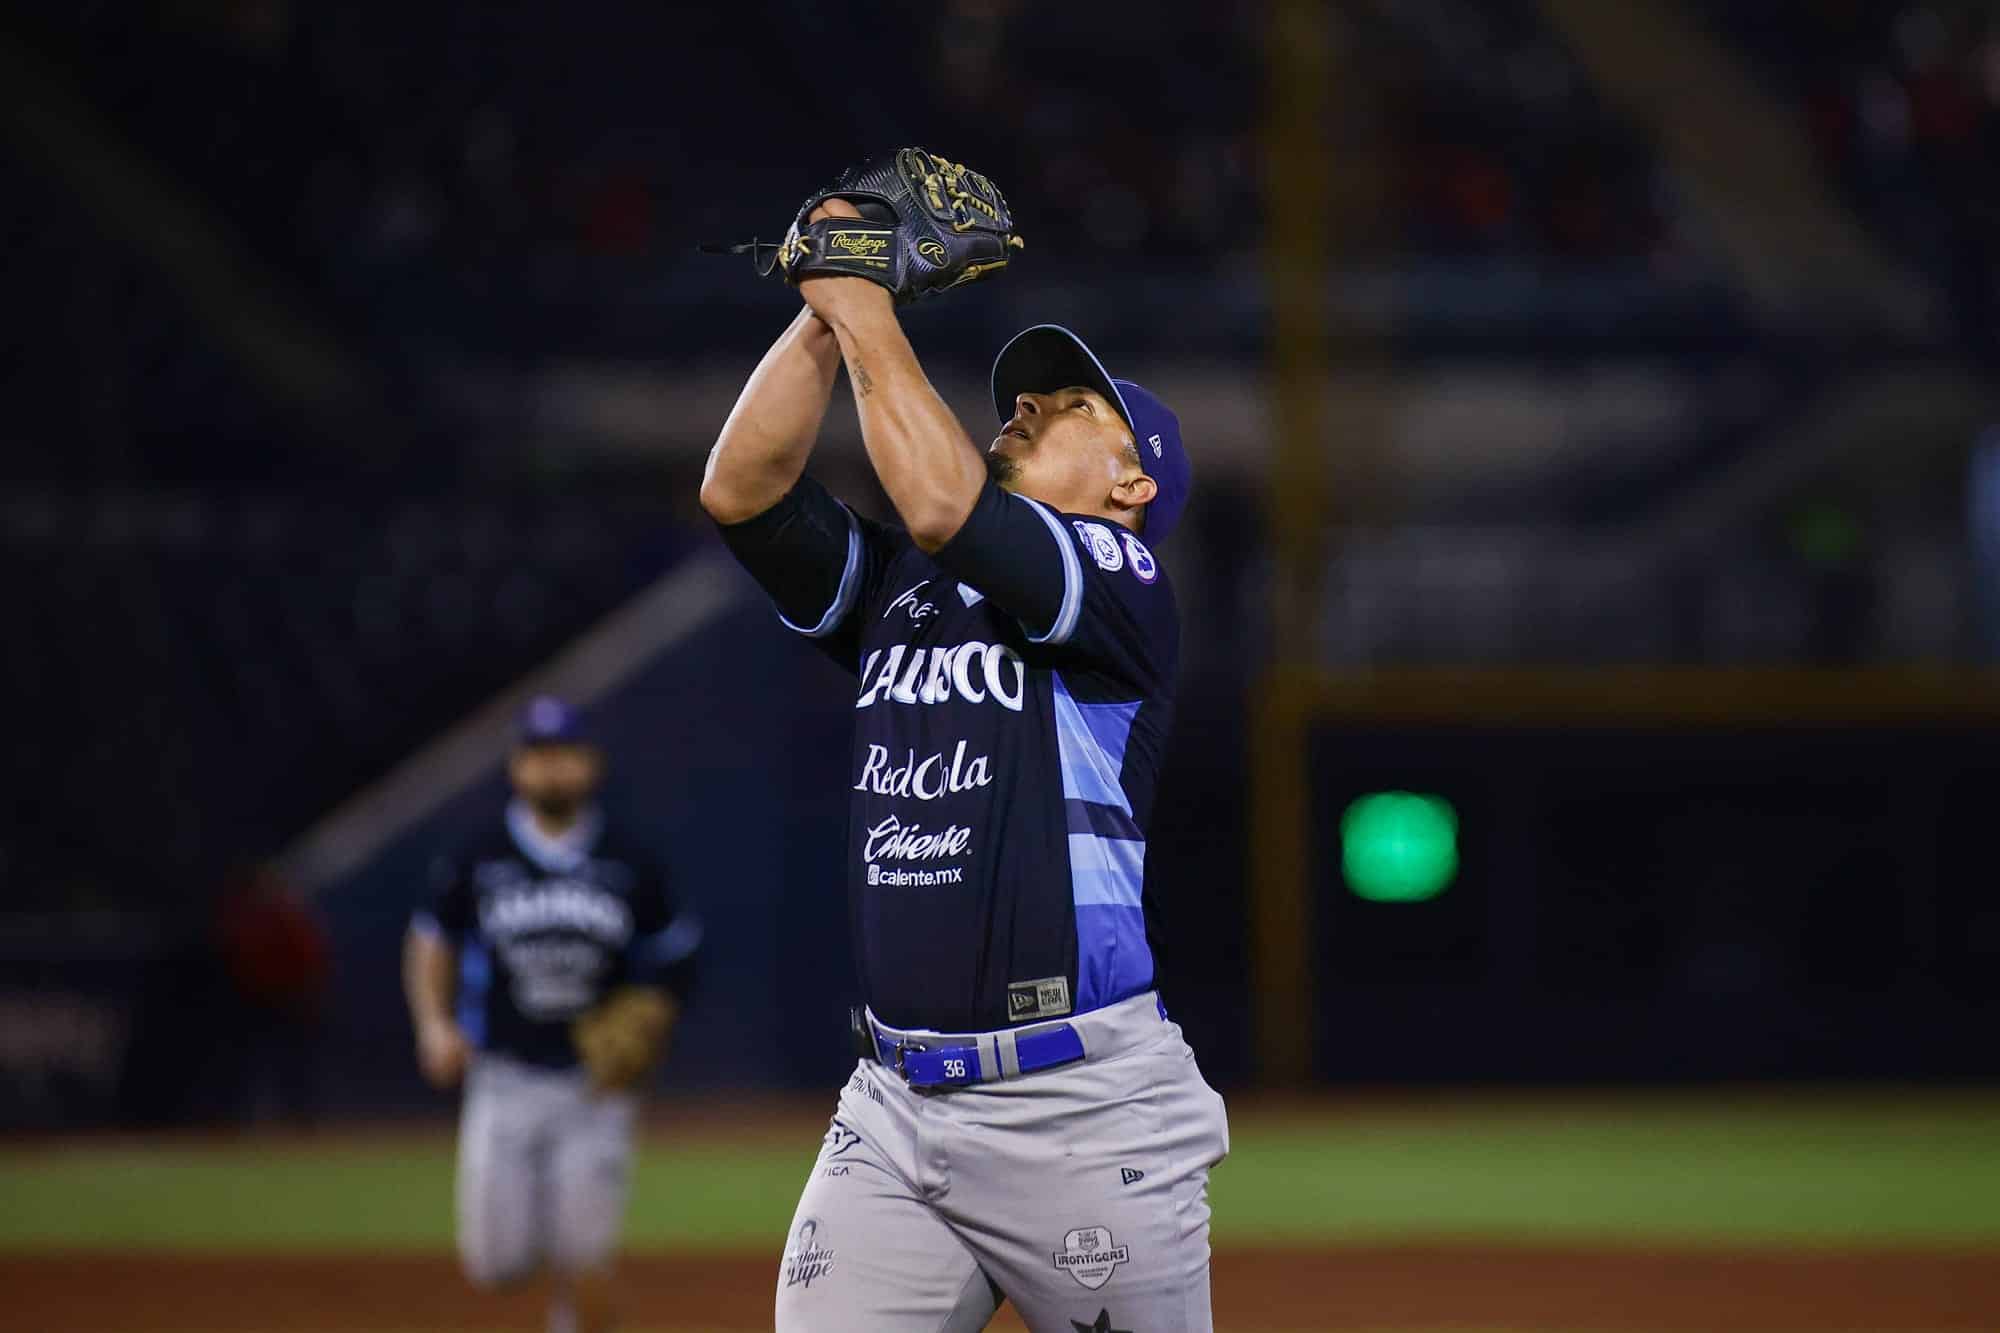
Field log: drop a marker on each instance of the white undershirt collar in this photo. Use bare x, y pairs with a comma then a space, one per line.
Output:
559, 854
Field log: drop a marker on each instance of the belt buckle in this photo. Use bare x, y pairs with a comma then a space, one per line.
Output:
902, 1049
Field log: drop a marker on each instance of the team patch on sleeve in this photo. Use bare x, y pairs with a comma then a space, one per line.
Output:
1144, 567
1103, 546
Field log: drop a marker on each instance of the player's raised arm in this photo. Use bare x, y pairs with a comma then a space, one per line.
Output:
807, 549
921, 454
763, 446
900, 228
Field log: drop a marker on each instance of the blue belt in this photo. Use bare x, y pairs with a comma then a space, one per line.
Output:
979, 1061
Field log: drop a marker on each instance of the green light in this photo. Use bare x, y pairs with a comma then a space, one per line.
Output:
1825, 534
1398, 847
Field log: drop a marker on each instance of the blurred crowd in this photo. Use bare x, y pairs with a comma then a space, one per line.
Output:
470, 130
1498, 144
1902, 99
482, 136
467, 131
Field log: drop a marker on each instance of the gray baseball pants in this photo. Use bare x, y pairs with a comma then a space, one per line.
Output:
1080, 1194
543, 1168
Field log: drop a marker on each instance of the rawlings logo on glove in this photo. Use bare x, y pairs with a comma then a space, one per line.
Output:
854, 243
926, 225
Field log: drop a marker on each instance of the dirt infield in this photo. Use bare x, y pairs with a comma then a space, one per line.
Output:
1431, 1287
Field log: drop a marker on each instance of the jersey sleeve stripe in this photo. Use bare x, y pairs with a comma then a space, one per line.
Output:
1113, 961
1110, 725
475, 976
843, 596
679, 940
1107, 857
1072, 601
1084, 750
1106, 872
1103, 821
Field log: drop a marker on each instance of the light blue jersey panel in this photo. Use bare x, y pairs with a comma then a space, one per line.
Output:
1107, 854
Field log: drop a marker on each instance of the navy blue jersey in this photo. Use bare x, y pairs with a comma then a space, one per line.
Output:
1013, 696
544, 927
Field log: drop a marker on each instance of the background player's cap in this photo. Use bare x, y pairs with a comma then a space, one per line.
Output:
1049, 357
547, 720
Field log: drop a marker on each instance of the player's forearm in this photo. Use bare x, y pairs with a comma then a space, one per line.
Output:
764, 445
428, 966
924, 459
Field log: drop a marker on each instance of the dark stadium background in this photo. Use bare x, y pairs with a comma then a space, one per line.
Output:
1595, 428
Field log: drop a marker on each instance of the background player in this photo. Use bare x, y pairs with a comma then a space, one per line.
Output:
1025, 1120
547, 971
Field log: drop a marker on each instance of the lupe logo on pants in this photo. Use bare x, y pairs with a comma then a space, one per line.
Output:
807, 1261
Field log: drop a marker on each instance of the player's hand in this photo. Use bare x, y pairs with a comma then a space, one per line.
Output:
832, 296
833, 208
910, 222
442, 1052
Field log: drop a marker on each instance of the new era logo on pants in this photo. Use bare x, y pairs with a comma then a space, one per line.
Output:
1127, 1176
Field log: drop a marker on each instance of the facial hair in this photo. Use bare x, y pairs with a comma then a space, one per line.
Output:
1002, 470
558, 809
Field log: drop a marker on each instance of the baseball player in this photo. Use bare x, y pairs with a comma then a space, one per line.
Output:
1025, 1123
546, 971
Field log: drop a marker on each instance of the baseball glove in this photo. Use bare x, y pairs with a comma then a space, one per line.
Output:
619, 1040
926, 225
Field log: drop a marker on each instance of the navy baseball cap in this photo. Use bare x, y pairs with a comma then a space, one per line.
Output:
1048, 357
547, 720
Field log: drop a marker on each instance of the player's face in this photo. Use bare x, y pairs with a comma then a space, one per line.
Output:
556, 779
1069, 448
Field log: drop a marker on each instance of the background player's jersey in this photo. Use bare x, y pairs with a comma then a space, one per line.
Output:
545, 926
1012, 702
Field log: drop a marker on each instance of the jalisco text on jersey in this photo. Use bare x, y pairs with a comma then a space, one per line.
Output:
971, 671
563, 904
925, 779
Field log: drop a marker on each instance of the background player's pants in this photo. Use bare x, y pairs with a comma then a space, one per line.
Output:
1080, 1193
543, 1165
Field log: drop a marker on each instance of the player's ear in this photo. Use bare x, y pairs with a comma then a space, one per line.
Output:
1134, 492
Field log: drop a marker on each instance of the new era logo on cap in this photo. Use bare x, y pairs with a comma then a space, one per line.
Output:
1154, 440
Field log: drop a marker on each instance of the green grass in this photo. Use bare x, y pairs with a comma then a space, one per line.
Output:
1674, 1170
360, 1197
1681, 1174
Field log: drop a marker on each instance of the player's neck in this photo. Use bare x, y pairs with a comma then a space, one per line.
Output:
555, 826
1122, 517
